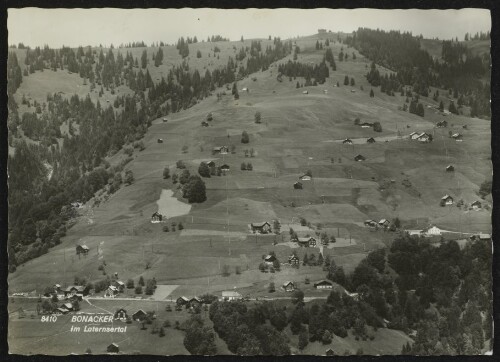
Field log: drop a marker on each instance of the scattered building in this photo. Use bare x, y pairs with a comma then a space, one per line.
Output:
156, 217
195, 301
476, 205
305, 178
359, 158
113, 348
457, 137
447, 200
225, 168
442, 124
165, 119
371, 223
366, 125
288, 286
231, 295
139, 315
329, 352
67, 306
182, 301
262, 228
223, 150
413, 135
293, 260
297, 185
305, 92
269, 259
450, 168
347, 141
120, 286
424, 138
82, 249
307, 241
73, 290
370, 140
323, 284
121, 314
204, 124
431, 231
384, 223
211, 164
160, 140
481, 237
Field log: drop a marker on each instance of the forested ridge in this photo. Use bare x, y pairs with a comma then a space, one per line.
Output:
465, 75
39, 206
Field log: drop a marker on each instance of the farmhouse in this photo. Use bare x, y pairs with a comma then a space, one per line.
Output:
82, 249
288, 286
457, 137
121, 314
323, 284
73, 290
476, 205
371, 223
370, 140
293, 260
269, 259
113, 348
67, 306
450, 168
224, 168
424, 138
120, 285
347, 141
220, 149
307, 241
329, 352
160, 140
297, 185
359, 158
111, 292
442, 124
231, 295
431, 231
262, 228
156, 217
447, 200
139, 315
182, 301
413, 135
384, 223
195, 301
305, 178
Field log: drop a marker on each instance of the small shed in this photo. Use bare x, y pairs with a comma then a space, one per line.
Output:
347, 141
370, 140
165, 119
160, 140
297, 185
450, 168
359, 158
82, 249
305, 178
305, 92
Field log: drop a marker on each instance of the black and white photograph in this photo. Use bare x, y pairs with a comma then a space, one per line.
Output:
207, 181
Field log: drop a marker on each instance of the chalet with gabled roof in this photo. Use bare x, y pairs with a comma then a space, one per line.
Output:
139, 315
223, 150
323, 284
82, 249
288, 286
120, 314
370, 223
261, 228
450, 168
347, 141
113, 348
447, 200
293, 260
156, 217
370, 140
182, 300
307, 241
269, 259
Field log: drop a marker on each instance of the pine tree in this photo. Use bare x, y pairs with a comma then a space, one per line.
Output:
346, 80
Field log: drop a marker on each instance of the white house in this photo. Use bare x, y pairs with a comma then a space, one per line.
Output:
432, 231
231, 295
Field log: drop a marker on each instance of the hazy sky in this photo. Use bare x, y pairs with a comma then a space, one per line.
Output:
73, 27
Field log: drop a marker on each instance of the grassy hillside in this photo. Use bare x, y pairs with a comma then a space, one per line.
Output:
299, 132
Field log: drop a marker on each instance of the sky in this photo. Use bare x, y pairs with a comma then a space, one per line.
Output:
75, 27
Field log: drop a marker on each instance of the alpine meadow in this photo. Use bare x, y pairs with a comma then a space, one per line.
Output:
323, 194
